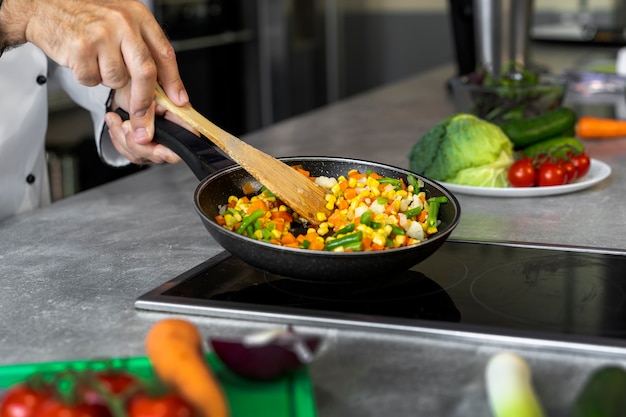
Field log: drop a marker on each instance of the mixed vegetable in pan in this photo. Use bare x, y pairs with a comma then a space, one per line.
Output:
368, 213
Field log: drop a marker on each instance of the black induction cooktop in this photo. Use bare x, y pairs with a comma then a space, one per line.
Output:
556, 295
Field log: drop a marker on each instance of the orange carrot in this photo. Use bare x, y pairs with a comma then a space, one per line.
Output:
257, 204
350, 193
288, 239
588, 127
174, 347
285, 215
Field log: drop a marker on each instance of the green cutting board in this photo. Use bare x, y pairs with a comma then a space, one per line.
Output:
289, 396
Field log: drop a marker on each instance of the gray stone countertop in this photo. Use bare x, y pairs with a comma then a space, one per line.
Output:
69, 273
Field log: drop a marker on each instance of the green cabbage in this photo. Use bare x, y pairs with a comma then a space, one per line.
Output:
466, 150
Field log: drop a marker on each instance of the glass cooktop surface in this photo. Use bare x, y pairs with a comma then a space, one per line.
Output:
558, 294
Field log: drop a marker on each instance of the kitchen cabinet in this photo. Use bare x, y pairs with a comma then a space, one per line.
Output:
70, 272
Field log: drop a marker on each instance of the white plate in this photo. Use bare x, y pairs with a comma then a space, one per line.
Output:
598, 171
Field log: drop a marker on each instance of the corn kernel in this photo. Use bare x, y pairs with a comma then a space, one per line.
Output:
379, 240
320, 217
276, 234
352, 182
399, 240
431, 230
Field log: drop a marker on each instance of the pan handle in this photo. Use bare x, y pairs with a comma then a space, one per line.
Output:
200, 155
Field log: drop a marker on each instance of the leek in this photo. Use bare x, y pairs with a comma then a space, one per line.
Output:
509, 387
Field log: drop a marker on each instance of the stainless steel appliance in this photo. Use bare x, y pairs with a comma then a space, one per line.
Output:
560, 297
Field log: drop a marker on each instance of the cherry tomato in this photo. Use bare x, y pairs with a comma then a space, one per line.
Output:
55, 408
116, 382
582, 162
21, 401
550, 174
166, 405
522, 173
570, 171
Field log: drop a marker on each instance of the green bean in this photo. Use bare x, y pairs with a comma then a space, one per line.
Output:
388, 180
355, 246
438, 199
414, 182
397, 230
366, 218
413, 212
250, 219
347, 229
433, 212
345, 240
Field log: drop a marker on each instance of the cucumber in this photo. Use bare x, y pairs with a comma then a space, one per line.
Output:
603, 395
558, 147
525, 132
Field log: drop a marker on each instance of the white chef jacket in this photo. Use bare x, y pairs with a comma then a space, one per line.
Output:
25, 73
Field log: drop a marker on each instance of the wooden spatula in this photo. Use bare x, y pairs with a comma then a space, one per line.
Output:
296, 190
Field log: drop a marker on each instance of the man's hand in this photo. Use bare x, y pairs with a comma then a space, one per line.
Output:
117, 43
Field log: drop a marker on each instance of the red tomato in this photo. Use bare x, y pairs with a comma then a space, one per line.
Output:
167, 405
54, 408
570, 171
549, 174
582, 162
21, 401
116, 382
522, 173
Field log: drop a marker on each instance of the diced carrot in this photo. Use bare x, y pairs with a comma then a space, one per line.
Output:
302, 171
286, 216
422, 216
377, 246
375, 175
343, 205
288, 238
343, 185
247, 188
367, 243
279, 224
336, 218
220, 220
256, 205
350, 193
316, 245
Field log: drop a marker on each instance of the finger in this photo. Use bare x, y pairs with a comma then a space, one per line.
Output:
142, 71
83, 62
124, 143
165, 60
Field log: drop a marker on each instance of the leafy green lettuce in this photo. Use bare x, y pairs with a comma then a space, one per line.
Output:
466, 150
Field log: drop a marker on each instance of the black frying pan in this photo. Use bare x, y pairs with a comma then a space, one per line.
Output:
221, 178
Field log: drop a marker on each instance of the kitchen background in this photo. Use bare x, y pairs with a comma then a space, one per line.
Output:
250, 63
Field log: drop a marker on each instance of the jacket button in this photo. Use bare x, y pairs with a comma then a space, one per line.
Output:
41, 79
30, 178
